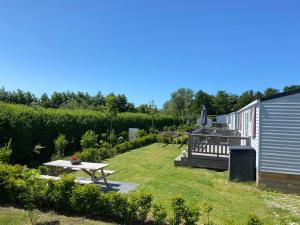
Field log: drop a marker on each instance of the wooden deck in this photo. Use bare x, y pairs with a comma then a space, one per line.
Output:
209, 151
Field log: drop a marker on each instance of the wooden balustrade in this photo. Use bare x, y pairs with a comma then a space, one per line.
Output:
213, 144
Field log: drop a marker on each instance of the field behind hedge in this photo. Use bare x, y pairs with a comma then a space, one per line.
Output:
29, 126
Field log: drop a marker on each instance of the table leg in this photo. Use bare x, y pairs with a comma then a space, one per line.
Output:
104, 178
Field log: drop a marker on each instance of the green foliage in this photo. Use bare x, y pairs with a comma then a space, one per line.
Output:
28, 127
86, 199
89, 139
60, 144
5, 152
270, 91
291, 88
254, 220
43, 170
159, 213
139, 142
178, 207
105, 150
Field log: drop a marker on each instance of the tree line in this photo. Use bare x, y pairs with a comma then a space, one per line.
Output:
186, 103
183, 103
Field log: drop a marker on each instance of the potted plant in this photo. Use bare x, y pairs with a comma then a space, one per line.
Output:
75, 160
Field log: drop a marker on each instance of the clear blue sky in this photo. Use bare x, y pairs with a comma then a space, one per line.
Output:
147, 49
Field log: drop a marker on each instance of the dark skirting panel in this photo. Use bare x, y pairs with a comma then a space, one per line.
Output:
242, 161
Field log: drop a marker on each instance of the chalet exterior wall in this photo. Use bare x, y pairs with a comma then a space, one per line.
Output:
280, 135
276, 139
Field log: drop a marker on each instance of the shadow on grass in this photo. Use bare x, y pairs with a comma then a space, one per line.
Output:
53, 222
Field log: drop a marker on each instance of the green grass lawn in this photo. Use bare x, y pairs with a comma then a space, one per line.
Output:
152, 167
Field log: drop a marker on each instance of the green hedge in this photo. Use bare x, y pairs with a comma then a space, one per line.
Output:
21, 186
99, 154
29, 126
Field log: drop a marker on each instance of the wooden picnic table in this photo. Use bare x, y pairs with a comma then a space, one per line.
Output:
87, 167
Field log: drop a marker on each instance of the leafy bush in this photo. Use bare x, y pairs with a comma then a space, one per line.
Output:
89, 139
106, 151
178, 207
28, 126
21, 185
85, 199
159, 213
137, 143
5, 152
89, 155
60, 144
254, 220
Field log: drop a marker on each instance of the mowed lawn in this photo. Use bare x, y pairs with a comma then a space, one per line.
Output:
152, 167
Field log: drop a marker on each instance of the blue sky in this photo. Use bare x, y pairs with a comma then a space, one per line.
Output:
147, 49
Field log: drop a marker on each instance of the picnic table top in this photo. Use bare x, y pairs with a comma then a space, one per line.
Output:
83, 165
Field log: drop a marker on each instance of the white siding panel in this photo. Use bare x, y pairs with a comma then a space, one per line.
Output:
280, 135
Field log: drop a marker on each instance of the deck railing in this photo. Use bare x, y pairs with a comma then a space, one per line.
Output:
213, 144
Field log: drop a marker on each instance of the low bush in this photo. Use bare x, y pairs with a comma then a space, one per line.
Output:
182, 213
89, 139
106, 151
137, 143
159, 214
60, 144
22, 186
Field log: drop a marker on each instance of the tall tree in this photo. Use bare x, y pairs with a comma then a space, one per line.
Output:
180, 104
202, 98
224, 102
246, 98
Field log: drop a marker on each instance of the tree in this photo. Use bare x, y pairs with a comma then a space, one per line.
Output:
224, 102
44, 100
291, 88
270, 91
202, 98
246, 98
180, 104
111, 110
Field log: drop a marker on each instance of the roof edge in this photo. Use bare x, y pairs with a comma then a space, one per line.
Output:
279, 95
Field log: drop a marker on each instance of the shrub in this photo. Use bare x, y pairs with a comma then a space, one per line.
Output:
139, 142
85, 199
159, 213
59, 193
89, 139
5, 152
178, 207
60, 144
254, 220
191, 215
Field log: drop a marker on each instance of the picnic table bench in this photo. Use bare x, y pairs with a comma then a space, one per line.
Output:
89, 168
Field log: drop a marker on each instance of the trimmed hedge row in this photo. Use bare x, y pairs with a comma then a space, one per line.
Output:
99, 154
29, 126
22, 186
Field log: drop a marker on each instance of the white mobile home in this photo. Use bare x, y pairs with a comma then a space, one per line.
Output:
273, 124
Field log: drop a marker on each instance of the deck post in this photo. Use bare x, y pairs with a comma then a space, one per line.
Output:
189, 146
